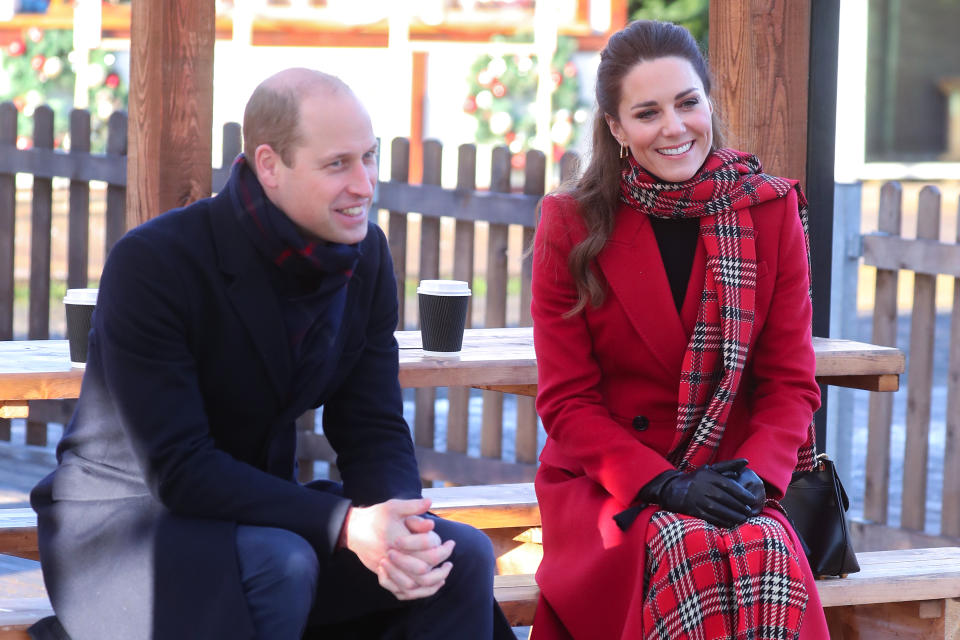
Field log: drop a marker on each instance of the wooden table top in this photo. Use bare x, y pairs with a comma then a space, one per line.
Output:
502, 359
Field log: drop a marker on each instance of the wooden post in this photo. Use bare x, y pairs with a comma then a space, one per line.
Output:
171, 105
775, 70
760, 60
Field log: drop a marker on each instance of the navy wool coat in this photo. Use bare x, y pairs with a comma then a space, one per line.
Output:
185, 428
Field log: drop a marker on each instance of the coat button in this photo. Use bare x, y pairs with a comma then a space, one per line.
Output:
640, 423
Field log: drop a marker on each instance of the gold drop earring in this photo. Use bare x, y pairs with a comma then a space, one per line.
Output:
623, 151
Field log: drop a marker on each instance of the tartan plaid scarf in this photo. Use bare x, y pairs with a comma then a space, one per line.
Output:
312, 273
721, 193
706, 582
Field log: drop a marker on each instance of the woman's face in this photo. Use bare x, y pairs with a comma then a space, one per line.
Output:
664, 117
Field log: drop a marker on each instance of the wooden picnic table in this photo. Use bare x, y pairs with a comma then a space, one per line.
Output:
498, 359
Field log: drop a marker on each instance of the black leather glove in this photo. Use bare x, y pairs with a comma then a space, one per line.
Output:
746, 478
706, 493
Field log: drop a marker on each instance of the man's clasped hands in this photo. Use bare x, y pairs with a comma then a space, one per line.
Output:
395, 541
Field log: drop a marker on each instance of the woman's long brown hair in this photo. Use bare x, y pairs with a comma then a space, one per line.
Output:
597, 191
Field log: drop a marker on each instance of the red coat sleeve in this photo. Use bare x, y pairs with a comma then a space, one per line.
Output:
569, 400
785, 392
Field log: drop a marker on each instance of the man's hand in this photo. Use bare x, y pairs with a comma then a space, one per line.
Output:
394, 542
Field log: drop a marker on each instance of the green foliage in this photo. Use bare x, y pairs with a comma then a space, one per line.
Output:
502, 93
692, 14
38, 69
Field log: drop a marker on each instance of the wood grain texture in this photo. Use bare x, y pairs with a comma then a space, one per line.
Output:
880, 407
920, 373
759, 54
171, 106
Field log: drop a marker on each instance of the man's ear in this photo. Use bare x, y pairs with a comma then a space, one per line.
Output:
267, 163
615, 129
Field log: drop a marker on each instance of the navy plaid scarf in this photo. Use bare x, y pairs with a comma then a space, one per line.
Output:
311, 274
721, 193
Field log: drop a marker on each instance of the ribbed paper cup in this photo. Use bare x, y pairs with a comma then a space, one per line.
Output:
79, 304
443, 315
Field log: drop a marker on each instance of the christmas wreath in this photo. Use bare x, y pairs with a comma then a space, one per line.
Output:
38, 69
501, 98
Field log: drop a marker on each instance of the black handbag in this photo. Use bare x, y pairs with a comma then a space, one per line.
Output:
816, 505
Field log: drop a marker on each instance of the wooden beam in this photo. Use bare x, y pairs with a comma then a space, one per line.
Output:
759, 53
171, 106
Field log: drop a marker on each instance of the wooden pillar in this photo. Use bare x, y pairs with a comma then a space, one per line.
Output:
759, 54
171, 105
775, 82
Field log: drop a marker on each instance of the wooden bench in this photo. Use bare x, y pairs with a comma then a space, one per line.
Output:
897, 594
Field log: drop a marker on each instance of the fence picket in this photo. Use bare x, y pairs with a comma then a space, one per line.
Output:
232, 144
397, 225
41, 221
78, 244
425, 403
8, 216
950, 499
534, 183
495, 313
877, 476
116, 214
8, 222
458, 398
920, 372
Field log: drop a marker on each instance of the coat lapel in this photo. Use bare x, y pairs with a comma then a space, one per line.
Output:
633, 269
251, 295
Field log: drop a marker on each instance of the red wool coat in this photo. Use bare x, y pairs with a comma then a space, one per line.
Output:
607, 394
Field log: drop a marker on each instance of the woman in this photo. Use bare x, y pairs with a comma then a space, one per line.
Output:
671, 319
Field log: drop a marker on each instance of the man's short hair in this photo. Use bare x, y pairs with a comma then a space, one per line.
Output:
272, 114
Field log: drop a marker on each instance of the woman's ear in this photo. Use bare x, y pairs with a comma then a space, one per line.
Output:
615, 129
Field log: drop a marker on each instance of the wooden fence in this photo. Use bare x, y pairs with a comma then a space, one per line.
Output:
500, 207
927, 257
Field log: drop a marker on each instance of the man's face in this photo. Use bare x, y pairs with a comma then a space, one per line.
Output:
328, 188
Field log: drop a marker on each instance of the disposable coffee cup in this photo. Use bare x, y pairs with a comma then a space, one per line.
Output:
79, 305
443, 315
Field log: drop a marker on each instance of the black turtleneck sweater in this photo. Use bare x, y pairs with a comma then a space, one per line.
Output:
677, 241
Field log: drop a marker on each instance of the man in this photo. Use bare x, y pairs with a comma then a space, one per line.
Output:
174, 512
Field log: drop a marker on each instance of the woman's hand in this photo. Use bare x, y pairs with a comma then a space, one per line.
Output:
747, 478
706, 493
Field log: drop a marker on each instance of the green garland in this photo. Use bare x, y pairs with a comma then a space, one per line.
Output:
37, 69
692, 14
503, 90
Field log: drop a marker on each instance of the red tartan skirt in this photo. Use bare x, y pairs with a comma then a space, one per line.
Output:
709, 582
596, 583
